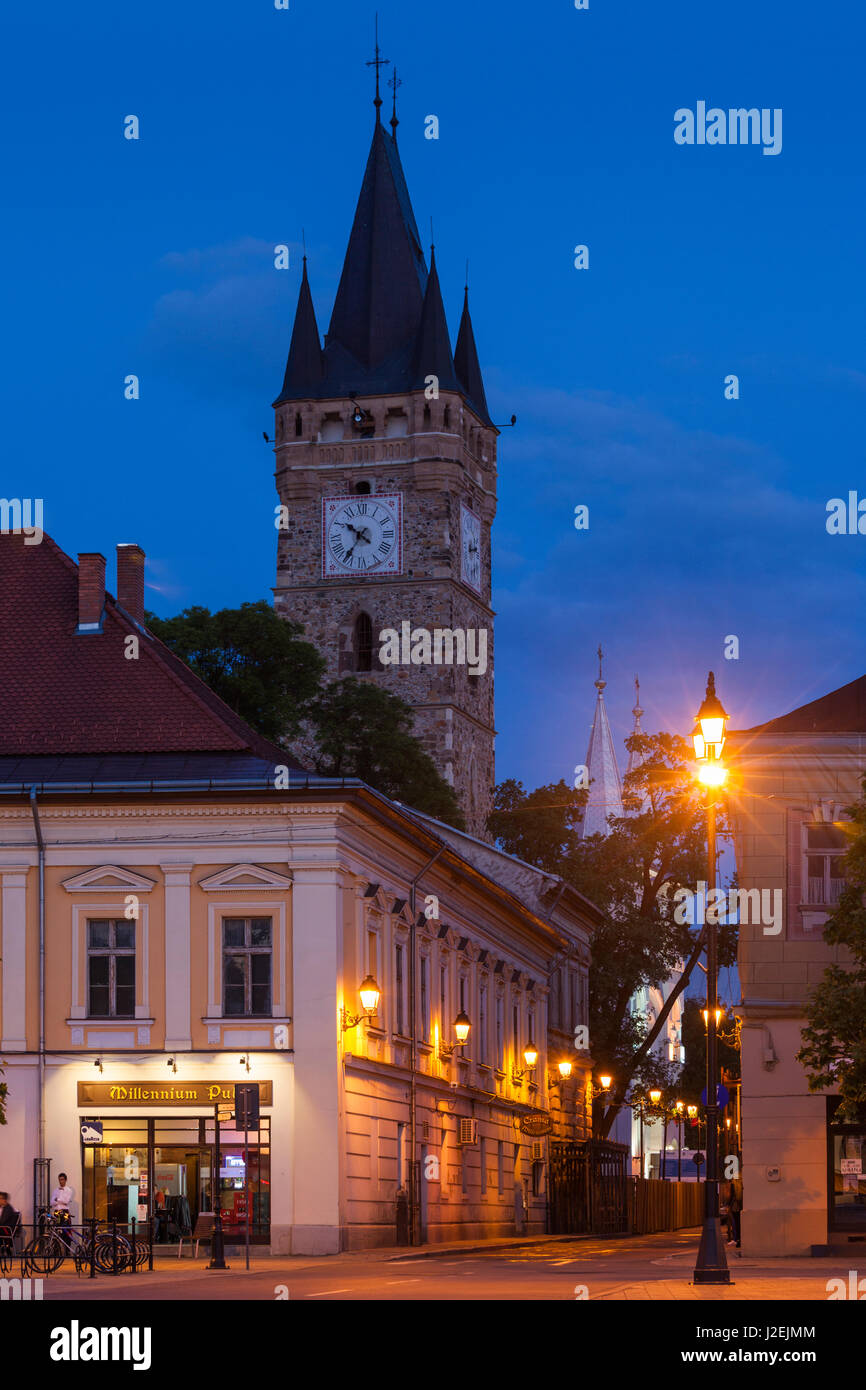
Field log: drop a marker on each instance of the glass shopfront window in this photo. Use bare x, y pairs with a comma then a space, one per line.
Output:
163, 1168
846, 1171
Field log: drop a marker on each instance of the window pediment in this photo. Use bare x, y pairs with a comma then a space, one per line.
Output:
108, 878
243, 877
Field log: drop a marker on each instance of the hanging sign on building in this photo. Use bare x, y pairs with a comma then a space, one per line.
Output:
536, 1125
116, 1093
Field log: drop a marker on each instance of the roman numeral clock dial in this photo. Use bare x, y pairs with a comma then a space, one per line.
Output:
362, 534
470, 549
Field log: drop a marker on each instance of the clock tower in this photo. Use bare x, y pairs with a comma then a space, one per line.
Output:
386, 475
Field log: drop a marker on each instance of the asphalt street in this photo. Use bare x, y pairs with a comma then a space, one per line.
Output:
637, 1267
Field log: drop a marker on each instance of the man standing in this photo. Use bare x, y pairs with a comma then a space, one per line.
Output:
63, 1195
9, 1219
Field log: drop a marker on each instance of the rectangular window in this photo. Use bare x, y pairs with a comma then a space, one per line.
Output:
111, 969
373, 954
482, 1025
500, 1031
515, 1029
575, 1010
247, 953
401, 1161
482, 1156
443, 999
398, 970
825, 878
462, 993
464, 1170
425, 997
530, 1026
500, 1166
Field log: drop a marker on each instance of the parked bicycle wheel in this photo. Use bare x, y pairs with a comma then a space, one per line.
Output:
105, 1257
44, 1254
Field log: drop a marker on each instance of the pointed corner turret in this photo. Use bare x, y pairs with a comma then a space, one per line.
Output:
432, 356
467, 366
304, 367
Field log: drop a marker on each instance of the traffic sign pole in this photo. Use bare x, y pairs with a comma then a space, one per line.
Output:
217, 1251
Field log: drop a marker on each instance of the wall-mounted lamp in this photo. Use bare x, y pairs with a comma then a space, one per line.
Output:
462, 1025
245, 1061
171, 1062
98, 1063
530, 1057
370, 994
564, 1069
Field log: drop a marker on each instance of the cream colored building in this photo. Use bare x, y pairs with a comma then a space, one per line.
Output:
180, 910
793, 779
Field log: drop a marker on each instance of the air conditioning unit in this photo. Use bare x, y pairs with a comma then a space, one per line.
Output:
537, 1150
467, 1131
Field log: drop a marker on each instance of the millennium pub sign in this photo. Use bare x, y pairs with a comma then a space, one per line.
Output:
94, 1094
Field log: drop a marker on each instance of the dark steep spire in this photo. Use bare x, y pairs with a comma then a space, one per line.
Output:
433, 347
466, 364
378, 306
304, 367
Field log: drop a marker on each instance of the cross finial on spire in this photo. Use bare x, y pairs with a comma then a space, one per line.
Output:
637, 711
377, 63
394, 82
600, 683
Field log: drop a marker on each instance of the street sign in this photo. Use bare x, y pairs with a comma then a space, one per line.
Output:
723, 1095
91, 1131
247, 1104
225, 1112
697, 1159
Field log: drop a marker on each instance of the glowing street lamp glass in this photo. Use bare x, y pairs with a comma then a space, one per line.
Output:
680, 1107
369, 993
706, 1014
699, 742
712, 774
605, 1082
655, 1097
530, 1054
462, 1026
692, 1111
565, 1070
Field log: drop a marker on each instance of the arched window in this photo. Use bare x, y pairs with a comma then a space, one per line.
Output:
447, 417
362, 487
299, 425
426, 417
363, 642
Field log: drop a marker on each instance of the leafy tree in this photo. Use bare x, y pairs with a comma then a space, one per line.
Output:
631, 874
834, 1039
362, 731
252, 658
259, 665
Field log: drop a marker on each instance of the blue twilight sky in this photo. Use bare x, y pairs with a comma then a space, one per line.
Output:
707, 516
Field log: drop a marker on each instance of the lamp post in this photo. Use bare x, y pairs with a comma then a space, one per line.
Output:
709, 739
680, 1107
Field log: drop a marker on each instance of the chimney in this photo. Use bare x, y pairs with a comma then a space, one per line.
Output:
130, 581
91, 591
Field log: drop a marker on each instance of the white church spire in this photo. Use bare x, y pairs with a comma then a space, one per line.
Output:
635, 759
605, 783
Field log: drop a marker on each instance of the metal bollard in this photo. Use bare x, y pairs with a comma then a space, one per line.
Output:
93, 1247
134, 1250
114, 1247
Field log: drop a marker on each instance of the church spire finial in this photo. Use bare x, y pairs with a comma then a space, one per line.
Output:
600, 683
394, 82
377, 63
637, 711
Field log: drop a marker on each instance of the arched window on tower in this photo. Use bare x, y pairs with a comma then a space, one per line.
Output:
426, 417
363, 642
299, 425
362, 487
447, 417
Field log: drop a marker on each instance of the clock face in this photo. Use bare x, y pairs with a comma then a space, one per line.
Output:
470, 548
362, 534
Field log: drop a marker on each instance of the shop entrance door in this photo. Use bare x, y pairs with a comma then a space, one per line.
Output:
181, 1189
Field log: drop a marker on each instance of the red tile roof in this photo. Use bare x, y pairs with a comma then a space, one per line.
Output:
65, 692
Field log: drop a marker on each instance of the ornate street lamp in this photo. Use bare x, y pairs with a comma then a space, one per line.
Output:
709, 740
369, 992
